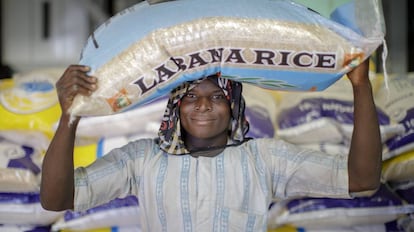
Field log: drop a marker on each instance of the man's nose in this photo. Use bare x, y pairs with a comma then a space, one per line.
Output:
203, 104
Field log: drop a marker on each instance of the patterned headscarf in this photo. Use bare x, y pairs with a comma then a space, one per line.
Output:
169, 134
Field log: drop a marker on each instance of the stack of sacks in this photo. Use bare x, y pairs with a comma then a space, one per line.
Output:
19, 187
397, 99
28, 108
260, 110
405, 190
324, 121
118, 213
382, 211
143, 122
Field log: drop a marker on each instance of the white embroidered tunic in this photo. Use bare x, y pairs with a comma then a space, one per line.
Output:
229, 192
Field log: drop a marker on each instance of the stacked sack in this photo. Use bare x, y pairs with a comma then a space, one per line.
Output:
324, 121
28, 110
397, 99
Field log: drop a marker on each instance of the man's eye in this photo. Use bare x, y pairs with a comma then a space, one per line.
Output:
190, 95
218, 97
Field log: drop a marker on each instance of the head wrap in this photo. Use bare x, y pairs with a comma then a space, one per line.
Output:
169, 134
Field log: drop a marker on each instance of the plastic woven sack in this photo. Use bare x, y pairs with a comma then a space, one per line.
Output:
145, 51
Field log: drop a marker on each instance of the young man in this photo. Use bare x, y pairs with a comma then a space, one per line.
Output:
201, 173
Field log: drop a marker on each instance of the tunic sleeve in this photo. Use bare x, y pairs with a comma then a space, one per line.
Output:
300, 172
115, 175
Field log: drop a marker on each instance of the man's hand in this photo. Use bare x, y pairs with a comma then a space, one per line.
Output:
74, 80
360, 74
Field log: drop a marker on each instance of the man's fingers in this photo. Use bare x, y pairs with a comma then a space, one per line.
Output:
84, 86
77, 81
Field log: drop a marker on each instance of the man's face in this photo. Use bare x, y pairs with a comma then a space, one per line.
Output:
205, 115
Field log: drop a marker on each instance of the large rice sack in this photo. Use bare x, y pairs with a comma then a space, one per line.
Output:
20, 167
397, 100
329, 213
326, 117
118, 212
29, 107
393, 226
145, 51
24, 209
319, 119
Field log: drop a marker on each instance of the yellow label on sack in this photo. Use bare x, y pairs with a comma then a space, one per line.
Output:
30, 105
